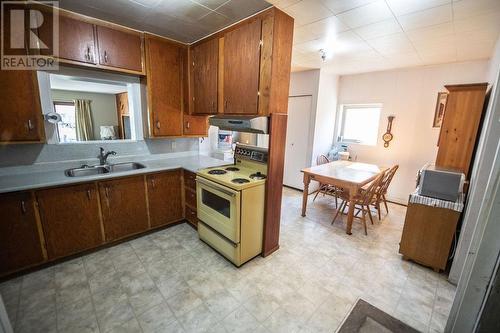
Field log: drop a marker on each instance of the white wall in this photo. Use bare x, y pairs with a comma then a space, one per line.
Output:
410, 95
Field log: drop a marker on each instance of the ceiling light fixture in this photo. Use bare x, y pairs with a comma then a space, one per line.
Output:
322, 53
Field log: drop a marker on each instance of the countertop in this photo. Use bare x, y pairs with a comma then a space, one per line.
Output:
53, 175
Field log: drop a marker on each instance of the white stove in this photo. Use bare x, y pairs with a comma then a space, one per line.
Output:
230, 204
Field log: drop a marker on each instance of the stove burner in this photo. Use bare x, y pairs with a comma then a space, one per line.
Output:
240, 181
217, 172
232, 169
258, 176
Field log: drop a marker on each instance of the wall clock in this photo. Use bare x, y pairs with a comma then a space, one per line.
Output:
387, 137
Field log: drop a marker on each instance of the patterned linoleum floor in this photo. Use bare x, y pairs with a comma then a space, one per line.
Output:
170, 281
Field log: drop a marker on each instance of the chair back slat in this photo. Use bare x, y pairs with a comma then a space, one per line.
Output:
388, 179
372, 189
322, 159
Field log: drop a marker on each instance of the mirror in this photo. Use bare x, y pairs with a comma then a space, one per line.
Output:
89, 109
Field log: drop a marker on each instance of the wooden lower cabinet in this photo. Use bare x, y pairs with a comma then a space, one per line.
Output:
124, 208
165, 201
190, 211
20, 241
70, 219
427, 235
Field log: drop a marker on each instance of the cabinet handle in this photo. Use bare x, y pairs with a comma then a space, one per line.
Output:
89, 194
30, 125
153, 183
158, 124
106, 192
213, 105
87, 53
105, 57
188, 125
23, 207
225, 105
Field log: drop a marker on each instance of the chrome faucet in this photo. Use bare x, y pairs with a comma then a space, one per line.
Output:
103, 156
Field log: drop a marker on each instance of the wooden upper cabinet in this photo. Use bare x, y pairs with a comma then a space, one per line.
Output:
459, 130
70, 219
124, 209
76, 38
195, 125
119, 49
164, 86
165, 197
20, 244
21, 114
241, 68
204, 63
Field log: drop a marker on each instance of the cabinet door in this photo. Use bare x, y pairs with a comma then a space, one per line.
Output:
241, 69
205, 59
165, 197
119, 49
20, 244
21, 114
195, 125
164, 83
76, 38
70, 219
124, 208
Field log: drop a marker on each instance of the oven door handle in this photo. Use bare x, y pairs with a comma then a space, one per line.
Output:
207, 184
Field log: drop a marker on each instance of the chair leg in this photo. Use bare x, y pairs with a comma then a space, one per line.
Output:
378, 210
336, 201
369, 213
385, 203
339, 210
364, 223
317, 192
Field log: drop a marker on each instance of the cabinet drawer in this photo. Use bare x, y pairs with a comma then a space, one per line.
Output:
190, 197
191, 215
190, 180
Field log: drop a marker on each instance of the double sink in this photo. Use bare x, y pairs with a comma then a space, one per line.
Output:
94, 170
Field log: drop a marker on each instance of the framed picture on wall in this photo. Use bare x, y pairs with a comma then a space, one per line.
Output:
440, 108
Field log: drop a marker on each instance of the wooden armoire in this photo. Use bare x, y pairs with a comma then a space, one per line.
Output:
460, 127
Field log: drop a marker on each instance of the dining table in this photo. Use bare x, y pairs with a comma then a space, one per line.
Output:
347, 175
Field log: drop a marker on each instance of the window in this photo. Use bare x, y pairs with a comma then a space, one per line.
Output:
359, 123
66, 128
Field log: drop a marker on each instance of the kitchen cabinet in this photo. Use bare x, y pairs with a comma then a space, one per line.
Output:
461, 125
164, 86
195, 126
21, 115
124, 209
20, 240
204, 69
164, 197
70, 219
190, 210
76, 38
242, 69
119, 48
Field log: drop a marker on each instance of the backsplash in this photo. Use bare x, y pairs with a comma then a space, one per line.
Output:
29, 154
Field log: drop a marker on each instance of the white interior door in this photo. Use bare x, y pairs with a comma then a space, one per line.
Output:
297, 140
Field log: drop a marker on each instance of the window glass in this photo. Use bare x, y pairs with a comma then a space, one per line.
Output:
360, 124
66, 128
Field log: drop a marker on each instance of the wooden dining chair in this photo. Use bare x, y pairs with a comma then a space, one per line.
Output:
325, 188
362, 201
382, 190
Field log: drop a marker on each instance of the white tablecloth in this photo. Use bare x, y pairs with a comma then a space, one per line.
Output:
433, 202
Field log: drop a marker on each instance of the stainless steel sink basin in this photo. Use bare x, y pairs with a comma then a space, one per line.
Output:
101, 169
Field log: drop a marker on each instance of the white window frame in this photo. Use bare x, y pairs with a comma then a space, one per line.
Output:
341, 123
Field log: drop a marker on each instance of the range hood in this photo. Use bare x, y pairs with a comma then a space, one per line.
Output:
248, 124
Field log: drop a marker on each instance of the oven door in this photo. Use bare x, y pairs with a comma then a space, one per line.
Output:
219, 207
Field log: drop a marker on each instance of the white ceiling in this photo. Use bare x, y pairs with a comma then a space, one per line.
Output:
182, 20
370, 35
76, 83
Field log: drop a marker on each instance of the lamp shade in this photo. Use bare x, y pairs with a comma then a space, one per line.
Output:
107, 132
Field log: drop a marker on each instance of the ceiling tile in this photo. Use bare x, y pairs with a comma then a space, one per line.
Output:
308, 11
339, 6
185, 10
367, 14
467, 8
396, 43
379, 29
425, 18
328, 27
146, 3
431, 32
283, 3
347, 43
238, 9
214, 21
484, 21
402, 7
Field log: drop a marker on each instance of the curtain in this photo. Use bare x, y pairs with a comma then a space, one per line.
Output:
83, 120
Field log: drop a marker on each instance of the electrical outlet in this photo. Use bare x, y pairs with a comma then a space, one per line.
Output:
172, 145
